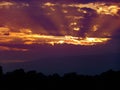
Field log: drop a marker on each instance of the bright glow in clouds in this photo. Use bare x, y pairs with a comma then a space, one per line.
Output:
6, 4
100, 8
72, 23
112, 10
25, 36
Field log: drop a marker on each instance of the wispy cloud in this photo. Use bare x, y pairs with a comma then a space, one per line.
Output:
5, 4
25, 36
11, 61
5, 48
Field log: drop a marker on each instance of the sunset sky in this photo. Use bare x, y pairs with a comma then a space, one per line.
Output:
60, 36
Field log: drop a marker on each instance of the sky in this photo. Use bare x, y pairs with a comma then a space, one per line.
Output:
60, 36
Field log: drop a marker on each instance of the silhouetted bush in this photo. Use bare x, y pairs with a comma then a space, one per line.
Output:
32, 80
1, 71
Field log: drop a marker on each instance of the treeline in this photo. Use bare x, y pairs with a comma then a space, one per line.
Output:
19, 80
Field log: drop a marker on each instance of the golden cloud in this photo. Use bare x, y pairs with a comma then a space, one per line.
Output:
25, 36
5, 48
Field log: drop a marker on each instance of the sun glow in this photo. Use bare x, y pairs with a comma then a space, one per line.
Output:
100, 8
26, 36
109, 10
58, 23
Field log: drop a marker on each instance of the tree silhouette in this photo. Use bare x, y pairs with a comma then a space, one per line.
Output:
18, 79
1, 71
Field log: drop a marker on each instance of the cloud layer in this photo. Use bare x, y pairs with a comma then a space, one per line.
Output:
24, 24
50, 18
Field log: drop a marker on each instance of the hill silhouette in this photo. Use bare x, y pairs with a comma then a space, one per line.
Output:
19, 80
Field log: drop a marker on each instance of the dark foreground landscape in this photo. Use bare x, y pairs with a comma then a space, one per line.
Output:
19, 80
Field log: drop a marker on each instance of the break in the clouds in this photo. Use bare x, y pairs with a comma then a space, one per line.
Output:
37, 22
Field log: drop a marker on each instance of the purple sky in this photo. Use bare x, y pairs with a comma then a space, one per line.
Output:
54, 20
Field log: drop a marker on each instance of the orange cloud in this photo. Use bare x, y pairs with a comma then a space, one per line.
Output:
25, 36
5, 48
71, 32
5, 4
